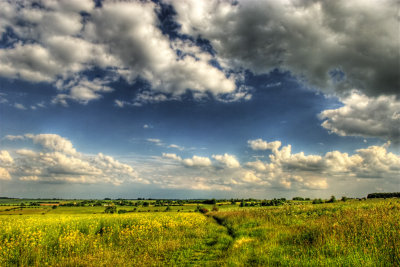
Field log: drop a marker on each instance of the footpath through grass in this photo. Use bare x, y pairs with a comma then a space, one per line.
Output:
340, 234
357, 233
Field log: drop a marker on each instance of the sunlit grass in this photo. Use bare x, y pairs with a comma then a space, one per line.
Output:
133, 239
341, 234
355, 233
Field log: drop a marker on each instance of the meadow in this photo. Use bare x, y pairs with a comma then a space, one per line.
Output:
296, 233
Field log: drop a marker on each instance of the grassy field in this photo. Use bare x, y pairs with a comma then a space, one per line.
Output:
352, 233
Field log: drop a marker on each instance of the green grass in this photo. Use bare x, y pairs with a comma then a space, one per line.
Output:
353, 233
18, 210
341, 234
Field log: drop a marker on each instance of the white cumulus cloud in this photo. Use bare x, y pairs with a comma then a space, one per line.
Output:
229, 161
56, 44
259, 144
57, 161
197, 161
316, 171
171, 156
5, 157
365, 116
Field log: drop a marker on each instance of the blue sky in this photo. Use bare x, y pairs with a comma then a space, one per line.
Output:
197, 99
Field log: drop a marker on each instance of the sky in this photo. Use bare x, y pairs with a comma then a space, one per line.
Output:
199, 99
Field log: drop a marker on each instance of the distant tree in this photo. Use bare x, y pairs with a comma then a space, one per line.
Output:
97, 204
54, 207
344, 199
146, 204
331, 200
317, 201
110, 209
384, 195
210, 201
215, 208
273, 202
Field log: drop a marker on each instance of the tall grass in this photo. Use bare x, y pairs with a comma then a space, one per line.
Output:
105, 240
357, 233
342, 234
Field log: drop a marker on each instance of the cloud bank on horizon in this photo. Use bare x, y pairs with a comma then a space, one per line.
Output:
57, 161
348, 51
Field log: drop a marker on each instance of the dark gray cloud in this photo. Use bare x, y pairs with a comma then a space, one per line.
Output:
332, 45
335, 46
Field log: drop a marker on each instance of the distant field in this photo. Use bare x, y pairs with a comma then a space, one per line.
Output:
352, 233
17, 210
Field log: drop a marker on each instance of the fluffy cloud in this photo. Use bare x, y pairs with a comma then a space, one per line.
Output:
340, 44
259, 144
199, 183
337, 45
227, 160
57, 42
331, 46
283, 170
19, 106
58, 162
171, 156
365, 116
5, 161
227, 172
200, 173
81, 89
315, 171
5, 157
250, 177
197, 161
377, 163
53, 142
257, 165
4, 174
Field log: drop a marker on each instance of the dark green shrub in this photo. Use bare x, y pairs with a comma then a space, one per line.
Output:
110, 209
203, 210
